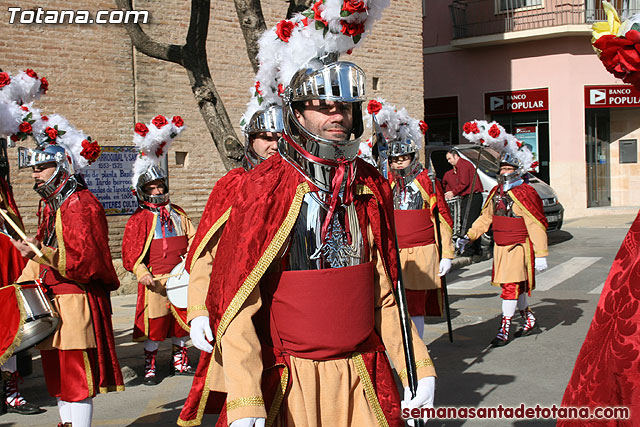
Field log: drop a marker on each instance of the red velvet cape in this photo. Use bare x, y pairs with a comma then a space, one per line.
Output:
217, 208
85, 258
136, 233
11, 321
246, 245
607, 370
11, 262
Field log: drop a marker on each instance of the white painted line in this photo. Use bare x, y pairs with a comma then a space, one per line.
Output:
470, 284
597, 290
562, 272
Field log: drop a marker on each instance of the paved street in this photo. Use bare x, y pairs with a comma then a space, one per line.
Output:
531, 370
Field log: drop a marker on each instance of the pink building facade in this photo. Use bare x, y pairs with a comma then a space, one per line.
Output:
529, 65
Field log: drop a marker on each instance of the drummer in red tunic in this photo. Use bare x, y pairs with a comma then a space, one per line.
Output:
156, 238
79, 358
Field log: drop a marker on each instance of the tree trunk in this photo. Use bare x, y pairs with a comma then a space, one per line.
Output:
193, 57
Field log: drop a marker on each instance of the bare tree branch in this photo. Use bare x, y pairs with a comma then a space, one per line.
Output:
252, 24
144, 44
193, 57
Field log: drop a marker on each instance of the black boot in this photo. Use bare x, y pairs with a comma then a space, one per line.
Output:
503, 333
530, 325
13, 400
180, 362
150, 377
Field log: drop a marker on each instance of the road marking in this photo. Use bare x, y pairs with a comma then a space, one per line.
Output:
562, 272
482, 269
597, 290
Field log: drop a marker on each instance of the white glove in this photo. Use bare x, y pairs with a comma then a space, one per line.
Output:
445, 266
424, 396
201, 334
462, 242
248, 422
541, 264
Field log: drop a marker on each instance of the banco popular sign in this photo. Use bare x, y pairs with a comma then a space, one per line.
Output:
611, 96
516, 101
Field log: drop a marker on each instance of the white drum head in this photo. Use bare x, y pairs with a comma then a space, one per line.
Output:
177, 286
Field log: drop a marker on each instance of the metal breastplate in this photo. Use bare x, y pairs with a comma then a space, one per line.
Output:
54, 202
503, 205
176, 220
306, 249
407, 198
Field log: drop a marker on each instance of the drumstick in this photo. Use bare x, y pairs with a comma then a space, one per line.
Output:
164, 276
21, 234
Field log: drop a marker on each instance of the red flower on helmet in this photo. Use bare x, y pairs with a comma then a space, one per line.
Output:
52, 133
258, 91
177, 121
374, 106
317, 12
354, 6
352, 29
620, 56
280, 89
25, 127
90, 150
305, 21
519, 144
44, 85
4, 79
159, 121
494, 131
31, 73
424, 127
534, 165
159, 150
14, 138
141, 129
24, 108
470, 127
44, 118
284, 29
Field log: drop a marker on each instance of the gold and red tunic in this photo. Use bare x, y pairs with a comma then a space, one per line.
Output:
151, 246
518, 240
419, 252
271, 372
78, 272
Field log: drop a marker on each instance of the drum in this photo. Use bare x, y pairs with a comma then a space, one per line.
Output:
177, 285
41, 319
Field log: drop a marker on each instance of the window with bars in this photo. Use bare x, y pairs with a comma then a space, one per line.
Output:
508, 5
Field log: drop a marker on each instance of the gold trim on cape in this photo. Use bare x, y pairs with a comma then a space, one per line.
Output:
175, 314
242, 402
88, 372
214, 228
529, 214
279, 397
147, 244
264, 262
369, 391
62, 251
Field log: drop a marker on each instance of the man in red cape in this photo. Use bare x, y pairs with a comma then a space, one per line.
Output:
262, 131
11, 265
514, 210
606, 370
79, 358
305, 308
156, 238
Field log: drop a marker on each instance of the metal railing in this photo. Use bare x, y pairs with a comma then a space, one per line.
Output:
483, 17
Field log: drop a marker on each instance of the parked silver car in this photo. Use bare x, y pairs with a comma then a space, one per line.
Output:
487, 171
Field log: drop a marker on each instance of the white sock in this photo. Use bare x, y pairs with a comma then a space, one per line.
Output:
64, 408
11, 365
151, 345
522, 302
180, 342
509, 307
419, 322
82, 412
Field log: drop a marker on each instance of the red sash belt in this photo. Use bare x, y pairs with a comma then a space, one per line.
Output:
58, 285
509, 231
162, 260
414, 228
323, 314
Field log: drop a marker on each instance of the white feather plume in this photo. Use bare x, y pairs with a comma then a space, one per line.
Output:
154, 144
22, 88
10, 118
